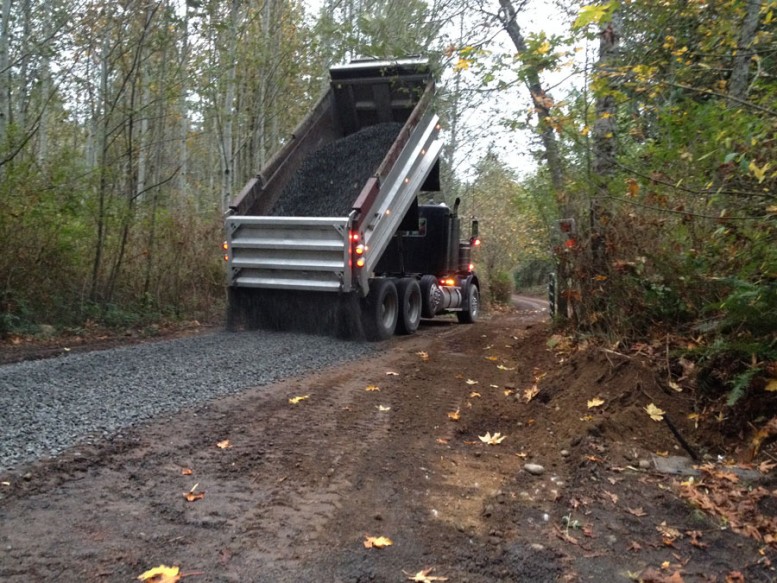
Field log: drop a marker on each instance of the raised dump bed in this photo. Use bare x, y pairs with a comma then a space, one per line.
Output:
312, 227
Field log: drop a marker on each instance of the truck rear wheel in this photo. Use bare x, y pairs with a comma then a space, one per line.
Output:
431, 297
380, 310
471, 311
409, 296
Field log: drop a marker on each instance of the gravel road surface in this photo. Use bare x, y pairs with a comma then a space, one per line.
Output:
49, 405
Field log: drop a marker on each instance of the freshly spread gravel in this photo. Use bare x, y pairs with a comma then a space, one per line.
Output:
328, 181
49, 405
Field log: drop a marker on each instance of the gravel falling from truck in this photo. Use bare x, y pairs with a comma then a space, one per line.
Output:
328, 181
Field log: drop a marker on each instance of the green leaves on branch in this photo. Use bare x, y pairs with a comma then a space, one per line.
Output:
595, 14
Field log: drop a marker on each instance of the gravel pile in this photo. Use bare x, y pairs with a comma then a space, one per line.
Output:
49, 405
329, 180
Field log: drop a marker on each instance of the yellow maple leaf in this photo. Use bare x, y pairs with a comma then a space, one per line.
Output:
224, 444
423, 355
462, 64
424, 576
384, 408
471, 382
544, 48
595, 402
492, 358
474, 395
161, 574
295, 400
377, 542
454, 415
494, 439
655, 413
771, 385
372, 388
530, 393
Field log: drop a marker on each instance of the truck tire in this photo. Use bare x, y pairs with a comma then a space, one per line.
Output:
409, 296
431, 297
380, 310
471, 311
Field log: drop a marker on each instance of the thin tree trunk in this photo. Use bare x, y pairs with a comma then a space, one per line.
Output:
740, 73
542, 101
100, 125
183, 109
5, 71
228, 113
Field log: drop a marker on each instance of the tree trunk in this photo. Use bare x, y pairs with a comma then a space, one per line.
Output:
5, 72
542, 101
740, 73
227, 157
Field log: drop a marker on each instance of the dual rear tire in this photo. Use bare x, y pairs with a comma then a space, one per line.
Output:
392, 306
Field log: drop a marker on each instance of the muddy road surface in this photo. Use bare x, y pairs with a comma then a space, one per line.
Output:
286, 482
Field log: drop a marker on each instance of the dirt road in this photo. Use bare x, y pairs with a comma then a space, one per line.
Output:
387, 447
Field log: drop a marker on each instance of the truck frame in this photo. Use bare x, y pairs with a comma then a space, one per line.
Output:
389, 261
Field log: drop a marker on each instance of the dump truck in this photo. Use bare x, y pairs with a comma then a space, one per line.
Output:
329, 236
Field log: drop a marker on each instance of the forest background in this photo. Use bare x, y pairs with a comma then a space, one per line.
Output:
632, 150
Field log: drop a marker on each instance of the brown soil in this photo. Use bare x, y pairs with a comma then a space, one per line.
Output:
301, 485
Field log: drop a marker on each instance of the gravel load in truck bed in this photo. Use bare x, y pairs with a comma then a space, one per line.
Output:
328, 181
49, 405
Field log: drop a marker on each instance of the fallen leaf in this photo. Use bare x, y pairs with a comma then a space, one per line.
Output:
224, 444
377, 542
771, 385
635, 546
372, 388
161, 574
595, 402
384, 408
423, 355
454, 415
471, 382
655, 413
509, 392
424, 576
494, 386
192, 496
530, 393
668, 533
474, 395
638, 512
391, 373
503, 367
613, 497
675, 387
494, 439
492, 358
186, 471
295, 400
586, 418
441, 441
